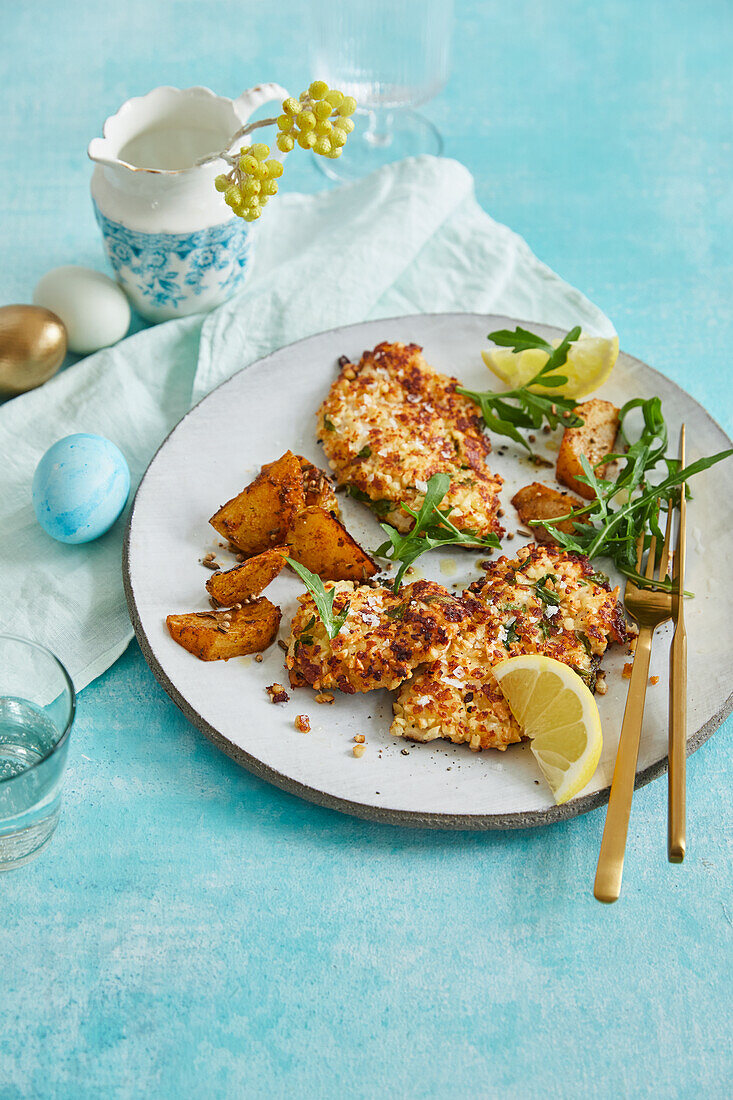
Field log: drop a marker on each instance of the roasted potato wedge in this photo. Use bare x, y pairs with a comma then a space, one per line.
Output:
318, 487
248, 579
594, 439
538, 501
260, 516
219, 635
319, 542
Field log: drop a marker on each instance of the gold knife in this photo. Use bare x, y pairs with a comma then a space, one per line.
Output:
678, 691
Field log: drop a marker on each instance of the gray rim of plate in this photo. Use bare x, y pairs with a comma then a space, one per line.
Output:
411, 818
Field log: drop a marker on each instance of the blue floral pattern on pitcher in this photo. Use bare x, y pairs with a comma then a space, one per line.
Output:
166, 269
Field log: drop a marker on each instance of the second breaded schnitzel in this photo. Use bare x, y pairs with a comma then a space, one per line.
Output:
543, 601
391, 422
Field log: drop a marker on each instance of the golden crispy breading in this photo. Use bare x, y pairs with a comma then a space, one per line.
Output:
391, 422
456, 696
384, 637
541, 578
543, 601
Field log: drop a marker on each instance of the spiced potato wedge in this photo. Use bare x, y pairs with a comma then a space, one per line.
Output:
319, 542
537, 502
260, 516
219, 635
248, 579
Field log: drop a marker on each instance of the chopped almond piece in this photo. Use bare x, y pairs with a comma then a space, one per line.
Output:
277, 693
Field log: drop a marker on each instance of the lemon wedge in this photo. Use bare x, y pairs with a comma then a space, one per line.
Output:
557, 711
590, 361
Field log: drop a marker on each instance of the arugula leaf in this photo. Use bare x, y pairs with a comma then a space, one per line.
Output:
322, 599
432, 528
530, 409
629, 506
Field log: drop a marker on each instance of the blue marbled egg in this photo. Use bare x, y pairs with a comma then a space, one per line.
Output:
80, 487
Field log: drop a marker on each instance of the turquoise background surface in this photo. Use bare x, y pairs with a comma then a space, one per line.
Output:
193, 932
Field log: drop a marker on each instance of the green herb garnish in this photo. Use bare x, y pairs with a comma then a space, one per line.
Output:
622, 509
582, 637
504, 413
322, 599
432, 528
379, 507
365, 452
510, 633
546, 594
328, 424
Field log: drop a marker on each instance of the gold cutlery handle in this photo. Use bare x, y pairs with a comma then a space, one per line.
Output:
678, 692
607, 886
677, 745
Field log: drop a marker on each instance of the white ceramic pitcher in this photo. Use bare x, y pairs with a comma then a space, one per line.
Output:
174, 244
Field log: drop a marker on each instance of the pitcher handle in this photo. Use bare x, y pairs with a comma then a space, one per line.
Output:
253, 98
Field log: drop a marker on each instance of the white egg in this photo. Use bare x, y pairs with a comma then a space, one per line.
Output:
91, 305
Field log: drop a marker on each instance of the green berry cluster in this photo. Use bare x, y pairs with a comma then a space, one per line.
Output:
320, 120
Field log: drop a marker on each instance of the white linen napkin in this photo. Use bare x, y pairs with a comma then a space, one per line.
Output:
410, 238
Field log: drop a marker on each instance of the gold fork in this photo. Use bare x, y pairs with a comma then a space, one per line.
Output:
678, 692
649, 607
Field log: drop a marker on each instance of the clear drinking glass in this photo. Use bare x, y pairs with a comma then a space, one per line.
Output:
391, 56
37, 704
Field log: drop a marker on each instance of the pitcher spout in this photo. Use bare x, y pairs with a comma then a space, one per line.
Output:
99, 151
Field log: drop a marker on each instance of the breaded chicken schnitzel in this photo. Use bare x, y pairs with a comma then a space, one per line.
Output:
543, 601
390, 422
384, 636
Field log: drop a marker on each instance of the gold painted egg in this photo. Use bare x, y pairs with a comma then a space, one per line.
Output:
32, 347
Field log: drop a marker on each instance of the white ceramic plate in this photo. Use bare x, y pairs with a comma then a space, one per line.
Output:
269, 407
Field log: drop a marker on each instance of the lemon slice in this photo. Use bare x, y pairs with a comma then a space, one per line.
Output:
557, 711
590, 361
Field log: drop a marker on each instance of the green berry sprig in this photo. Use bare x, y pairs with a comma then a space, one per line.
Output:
319, 120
